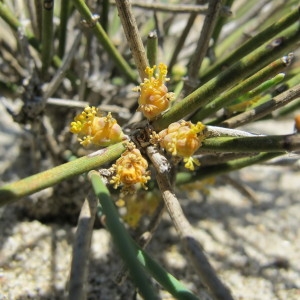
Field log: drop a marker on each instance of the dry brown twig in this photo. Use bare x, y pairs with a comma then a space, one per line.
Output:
132, 36
194, 250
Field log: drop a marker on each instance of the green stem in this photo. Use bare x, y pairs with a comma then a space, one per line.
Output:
81, 249
221, 21
210, 171
105, 14
38, 11
40, 181
64, 13
272, 143
252, 44
241, 69
263, 109
130, 251
152, 48
14, 23
121, 237
104, 39
262, 88
168, 281
241, 88
47, 35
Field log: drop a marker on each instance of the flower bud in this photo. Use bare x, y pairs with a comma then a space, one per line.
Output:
182, 139
154, 96
92, 128
130, 169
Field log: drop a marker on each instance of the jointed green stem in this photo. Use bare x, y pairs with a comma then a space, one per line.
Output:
64, 12
273, 143
40, 181
264, 108
221, 21
152, 42
14, 23
131, 253
241, 88
47, 36
238, 71
210, 171
121, 237
252, 44
104, 39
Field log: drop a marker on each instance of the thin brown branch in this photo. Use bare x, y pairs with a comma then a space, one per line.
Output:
133, 36
241, 187
193, 248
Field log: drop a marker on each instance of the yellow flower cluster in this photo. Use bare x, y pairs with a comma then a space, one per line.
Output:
183, 139
139, 205
154, 96
92, 128
130, 169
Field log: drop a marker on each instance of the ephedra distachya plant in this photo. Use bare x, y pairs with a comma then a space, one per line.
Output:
148, 126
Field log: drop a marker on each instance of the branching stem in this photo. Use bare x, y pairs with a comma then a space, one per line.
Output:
184, 229
40, 181
252, 44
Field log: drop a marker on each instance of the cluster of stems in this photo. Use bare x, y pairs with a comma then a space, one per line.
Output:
192, 127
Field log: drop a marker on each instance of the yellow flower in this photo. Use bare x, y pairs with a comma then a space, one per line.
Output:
183, 139
154, 96
130, 169
92, 128
139, 205
203, 186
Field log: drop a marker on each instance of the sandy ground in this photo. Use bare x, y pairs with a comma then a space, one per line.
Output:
255, 247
